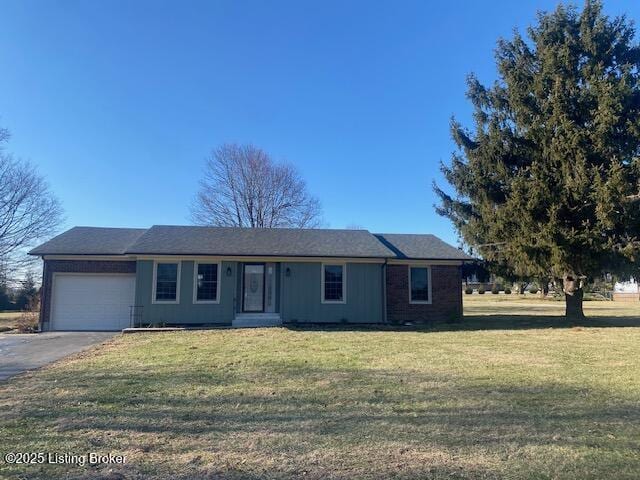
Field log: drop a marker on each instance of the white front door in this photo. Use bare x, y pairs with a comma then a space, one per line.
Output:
91, 302
253, 288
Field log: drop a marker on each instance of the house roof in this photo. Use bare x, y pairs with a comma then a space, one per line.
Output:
420, 247
161, 239
90, 241
262, 242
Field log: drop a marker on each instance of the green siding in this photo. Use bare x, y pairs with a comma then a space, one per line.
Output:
186, 312
298, 295
301, 301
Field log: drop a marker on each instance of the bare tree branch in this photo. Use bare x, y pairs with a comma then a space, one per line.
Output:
243, 187
29, 212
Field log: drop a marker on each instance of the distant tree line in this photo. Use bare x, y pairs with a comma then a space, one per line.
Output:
22, 296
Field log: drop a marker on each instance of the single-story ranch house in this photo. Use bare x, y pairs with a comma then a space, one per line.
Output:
112, 278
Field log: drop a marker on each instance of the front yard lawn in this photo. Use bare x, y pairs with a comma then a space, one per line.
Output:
538, 403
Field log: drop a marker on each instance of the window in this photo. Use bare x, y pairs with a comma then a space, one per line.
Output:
166, 284
419, 285
206, 282
333, 283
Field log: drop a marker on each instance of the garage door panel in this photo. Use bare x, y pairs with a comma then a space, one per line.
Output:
92, 302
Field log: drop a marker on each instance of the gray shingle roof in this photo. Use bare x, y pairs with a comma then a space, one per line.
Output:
277, 242
162, 239
424, 246
90, 241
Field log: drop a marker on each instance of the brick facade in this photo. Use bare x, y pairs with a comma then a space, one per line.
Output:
74, 266
446, 292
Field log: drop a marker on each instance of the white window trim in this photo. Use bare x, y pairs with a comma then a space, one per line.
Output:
155, 275
344, 283
420, 302
195, 282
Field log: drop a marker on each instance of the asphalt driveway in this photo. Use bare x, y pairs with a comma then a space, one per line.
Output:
21, 352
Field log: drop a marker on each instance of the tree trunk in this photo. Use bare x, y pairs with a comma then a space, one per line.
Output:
573, 292
544, 288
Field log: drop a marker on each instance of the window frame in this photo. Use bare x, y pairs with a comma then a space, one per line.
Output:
195, 282
154, 299
344, 283
429, 289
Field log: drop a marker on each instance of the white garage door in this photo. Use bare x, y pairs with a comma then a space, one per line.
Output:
91, 302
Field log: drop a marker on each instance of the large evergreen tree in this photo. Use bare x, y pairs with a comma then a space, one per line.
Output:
548, 181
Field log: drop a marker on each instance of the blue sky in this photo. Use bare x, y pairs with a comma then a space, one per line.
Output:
118, 103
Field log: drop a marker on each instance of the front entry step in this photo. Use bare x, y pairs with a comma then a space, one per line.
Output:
248, 320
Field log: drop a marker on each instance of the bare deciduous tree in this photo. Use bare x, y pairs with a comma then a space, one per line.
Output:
244, 187
29, 212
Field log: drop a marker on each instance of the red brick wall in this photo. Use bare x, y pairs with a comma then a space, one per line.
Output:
446, 292
74, 266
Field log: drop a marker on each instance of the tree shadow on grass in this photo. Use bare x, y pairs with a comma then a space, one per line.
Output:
383, 419
524, 321
481, 322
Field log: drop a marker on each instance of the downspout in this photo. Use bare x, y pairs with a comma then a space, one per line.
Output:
384, 292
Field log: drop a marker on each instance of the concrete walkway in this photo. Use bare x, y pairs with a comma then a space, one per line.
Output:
22, 352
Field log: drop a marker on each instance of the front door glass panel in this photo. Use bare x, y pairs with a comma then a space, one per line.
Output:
253, 288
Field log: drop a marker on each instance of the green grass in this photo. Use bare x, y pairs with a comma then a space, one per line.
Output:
526, 311
448, 403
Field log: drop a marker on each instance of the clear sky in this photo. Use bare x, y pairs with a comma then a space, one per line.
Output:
118, 103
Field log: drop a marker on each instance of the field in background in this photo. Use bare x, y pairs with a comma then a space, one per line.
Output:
529, 311
490, 304
8, 320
